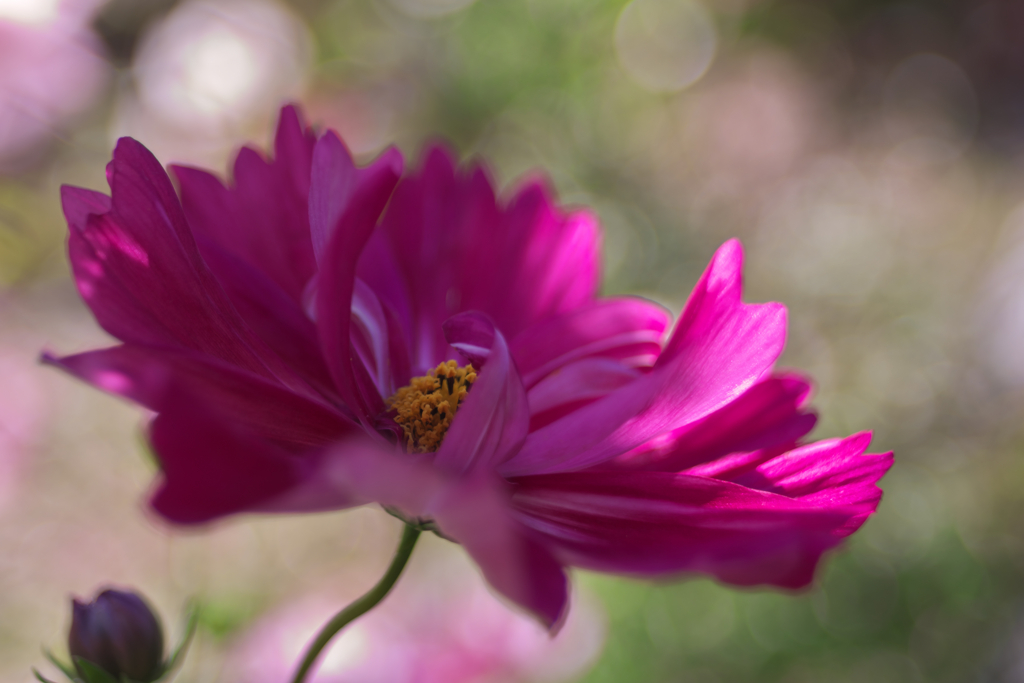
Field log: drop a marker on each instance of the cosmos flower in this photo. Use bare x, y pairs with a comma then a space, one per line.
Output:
318, 336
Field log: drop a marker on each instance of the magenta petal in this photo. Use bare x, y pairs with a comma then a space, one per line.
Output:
474, 511
334, 183
726, 346
512, 560
447, 240
828, 473
353, 226
263, 218
211, 468
537, 264
378, 341
276, 319
715, 306
267, 410
575, 385
769, 414
261, 226
138, 268
379, 269
627, 329
293, 149
417, 253
492, 421
651, 523
79, 203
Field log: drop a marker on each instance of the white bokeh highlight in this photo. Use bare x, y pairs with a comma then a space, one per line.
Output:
29, 11
665, 45
211, 73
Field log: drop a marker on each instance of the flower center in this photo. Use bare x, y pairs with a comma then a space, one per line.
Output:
427, 405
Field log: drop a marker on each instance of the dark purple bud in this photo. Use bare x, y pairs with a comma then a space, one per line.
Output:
119, 633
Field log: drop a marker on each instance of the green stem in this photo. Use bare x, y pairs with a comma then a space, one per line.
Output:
362, 605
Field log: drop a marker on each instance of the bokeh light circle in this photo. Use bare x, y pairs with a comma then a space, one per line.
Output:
212, 63
29, 11
665, 45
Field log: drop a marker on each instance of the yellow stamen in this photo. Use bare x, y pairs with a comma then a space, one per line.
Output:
426, 407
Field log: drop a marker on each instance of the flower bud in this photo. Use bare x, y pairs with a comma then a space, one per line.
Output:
119, 633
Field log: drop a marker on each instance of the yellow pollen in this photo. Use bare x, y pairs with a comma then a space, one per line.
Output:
427, 405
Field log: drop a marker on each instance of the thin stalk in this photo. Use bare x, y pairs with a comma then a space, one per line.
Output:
362, 605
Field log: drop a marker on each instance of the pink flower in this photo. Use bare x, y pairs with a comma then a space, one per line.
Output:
51, 69
440, 625
272, 326
24, 413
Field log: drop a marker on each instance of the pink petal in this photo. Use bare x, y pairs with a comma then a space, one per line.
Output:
335, 181
827, 473
543, 263
263, 219
627, 329
574, 386
79, 204
422, 237
652, 523
720, 288
511, 558
471, 510
769, 414
138, 268
457, 250
720, 349
268, 410
492, 421
211, 468
379, 269
378, 340
354, 223
474, 511
293, 149
277, 319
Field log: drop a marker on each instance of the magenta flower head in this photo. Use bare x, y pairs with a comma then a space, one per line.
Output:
119, 633
315, 335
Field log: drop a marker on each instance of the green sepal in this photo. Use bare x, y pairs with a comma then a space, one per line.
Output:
92, 673
66, 669
40, 677
174, 660
418, 523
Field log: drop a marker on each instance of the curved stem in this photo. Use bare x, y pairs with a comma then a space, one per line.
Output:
362, 605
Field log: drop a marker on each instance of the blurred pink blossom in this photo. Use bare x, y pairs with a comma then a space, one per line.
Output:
440, 626
22, 415
51, 68
211, 72
754, 126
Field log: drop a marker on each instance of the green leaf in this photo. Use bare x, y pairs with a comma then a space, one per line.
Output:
179, 652
66, 669
40, 677
92, 673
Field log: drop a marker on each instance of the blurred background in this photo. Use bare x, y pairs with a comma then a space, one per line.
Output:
869, 153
